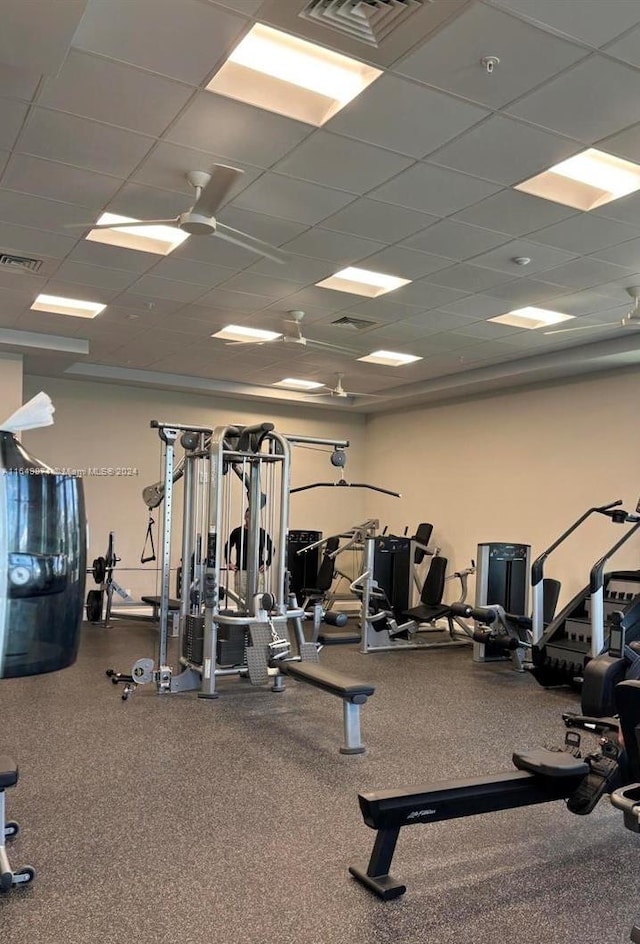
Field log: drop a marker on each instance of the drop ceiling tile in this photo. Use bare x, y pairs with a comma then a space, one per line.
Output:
12, 115
384, 308
426, 295
478, 306
450, 60
597, 23
184, 41
435, 321
586, 234
77, 289
541, 257
627, 47
337, 247
18, 83
167, 165
99, 276
149, 203
167, 288
27, 210
581, 303
59, 182
595, 98
25, 285
400, 102
186, 270
526, 292
514, 213
33, 242
627, 254
434, 189
404, 333
291, 199
215, 250
485, 331
381, 221
455, 240
469, 278
334, 161
405, 263
626, 144
302, 269
135, 302
585, 273
82, 143
12, 301
243, 7
112, 257
238, 301
240, 132
256, 284
626, 209
505, 151
320, 299
114, 93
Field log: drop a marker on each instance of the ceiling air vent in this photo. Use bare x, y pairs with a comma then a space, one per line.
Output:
369, 21
19, 263
355, 324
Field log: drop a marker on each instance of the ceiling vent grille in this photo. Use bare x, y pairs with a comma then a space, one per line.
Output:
355, 324
368, 21
19, 263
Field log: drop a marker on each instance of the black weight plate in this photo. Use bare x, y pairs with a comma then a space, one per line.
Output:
94, 606
99, 570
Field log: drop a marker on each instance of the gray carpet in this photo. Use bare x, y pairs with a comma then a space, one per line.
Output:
168, 819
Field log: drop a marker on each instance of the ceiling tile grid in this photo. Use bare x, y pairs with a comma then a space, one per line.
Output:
413, 178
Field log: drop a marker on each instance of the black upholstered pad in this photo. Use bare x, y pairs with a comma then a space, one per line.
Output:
339, 639
8, 772
550, 763
425, 614
334, 682
156, 601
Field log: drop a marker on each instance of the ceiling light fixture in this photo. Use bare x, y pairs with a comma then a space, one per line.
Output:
290, 76
75, 307
389, 358
298, 384
531, 318
159, 239
362, 282
240, 333
585, 181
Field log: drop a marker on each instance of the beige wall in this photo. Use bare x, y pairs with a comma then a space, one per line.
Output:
99, 425
517, 467
10, 384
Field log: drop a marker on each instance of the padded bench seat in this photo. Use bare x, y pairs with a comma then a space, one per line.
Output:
550, 763
353, 693
157, 601
345, 638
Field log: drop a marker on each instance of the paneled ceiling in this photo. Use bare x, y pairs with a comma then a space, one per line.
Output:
103, 107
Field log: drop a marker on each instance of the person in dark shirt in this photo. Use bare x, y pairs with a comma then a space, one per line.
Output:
237, 545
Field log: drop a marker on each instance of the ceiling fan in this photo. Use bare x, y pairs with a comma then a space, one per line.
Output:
630, 320
199, 220
292, 333
339, 391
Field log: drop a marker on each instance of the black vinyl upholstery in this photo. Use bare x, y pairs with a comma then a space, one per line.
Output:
325, 571
431, 606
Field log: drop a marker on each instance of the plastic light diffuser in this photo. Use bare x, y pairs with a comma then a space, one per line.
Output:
67, 306
362, 282
585, 181
531, 318
298, 384
389, 358
159, 239
290, 76
240, 333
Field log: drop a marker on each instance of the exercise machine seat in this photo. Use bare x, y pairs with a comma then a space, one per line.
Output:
431, 606
344, 638
422, 536
326, 571
550, 763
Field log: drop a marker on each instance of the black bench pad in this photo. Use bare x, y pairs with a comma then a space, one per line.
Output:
339, 639
156, 601
550, 763
8, 772
426, 614
333, 682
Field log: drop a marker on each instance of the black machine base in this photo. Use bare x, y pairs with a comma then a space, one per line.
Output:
385, 887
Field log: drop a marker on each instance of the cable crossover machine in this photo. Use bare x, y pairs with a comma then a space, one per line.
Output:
235, 614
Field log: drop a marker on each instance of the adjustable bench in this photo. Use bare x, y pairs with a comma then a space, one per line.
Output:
352, 692
9, 830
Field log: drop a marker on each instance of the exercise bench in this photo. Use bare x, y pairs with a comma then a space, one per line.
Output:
353, 693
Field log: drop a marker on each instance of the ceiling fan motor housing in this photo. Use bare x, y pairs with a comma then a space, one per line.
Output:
197, 224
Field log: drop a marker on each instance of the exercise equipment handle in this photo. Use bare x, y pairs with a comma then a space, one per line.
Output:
537, 568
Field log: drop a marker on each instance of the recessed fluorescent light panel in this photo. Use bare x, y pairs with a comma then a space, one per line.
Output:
389, 358
531, 318
159, 239
291, 76
240, 333
585, 181
362, 282
67, 306
298, 384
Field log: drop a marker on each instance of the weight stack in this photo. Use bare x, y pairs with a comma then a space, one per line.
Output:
193, 639
303, 568
231, 645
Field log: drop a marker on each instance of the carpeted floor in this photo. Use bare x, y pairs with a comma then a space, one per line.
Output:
169, 820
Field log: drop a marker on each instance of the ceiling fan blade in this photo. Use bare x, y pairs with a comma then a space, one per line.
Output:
605, 324
252, 243
138, 223
222, 180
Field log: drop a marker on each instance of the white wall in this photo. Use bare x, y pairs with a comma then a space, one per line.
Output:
99, 425
517, 467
